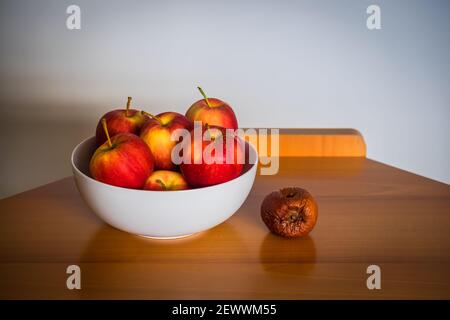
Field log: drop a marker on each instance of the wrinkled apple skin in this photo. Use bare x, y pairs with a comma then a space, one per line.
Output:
219, 114
290, 212
126, 164
118, 122
208, 174
158, 137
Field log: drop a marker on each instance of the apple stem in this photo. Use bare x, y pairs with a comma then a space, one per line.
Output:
163, 185
204, 96
153, 117
128, 106
105, 127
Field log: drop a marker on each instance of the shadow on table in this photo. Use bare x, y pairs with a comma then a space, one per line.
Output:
112, 245
280, 255
116, 264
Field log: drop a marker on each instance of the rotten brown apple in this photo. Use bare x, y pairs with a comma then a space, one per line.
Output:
289, 212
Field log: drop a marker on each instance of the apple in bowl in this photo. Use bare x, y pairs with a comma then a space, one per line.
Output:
123, 161
215, 158
157, 133
165, 180
120, 121
212, 111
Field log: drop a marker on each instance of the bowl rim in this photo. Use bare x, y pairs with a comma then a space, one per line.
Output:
74, 167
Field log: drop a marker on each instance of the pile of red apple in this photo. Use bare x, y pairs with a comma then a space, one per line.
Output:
134, 148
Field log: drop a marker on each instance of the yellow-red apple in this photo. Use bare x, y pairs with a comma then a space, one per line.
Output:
212, 111
120, 121
123, 160
157, 134
164, 180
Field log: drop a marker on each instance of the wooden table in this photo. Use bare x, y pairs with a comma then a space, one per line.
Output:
369, 213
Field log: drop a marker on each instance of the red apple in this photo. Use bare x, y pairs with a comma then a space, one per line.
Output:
120, 121
123, 160
226, 162
213, 112
157, 134
163, 180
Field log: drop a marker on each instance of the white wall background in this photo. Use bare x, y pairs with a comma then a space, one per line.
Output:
279, 63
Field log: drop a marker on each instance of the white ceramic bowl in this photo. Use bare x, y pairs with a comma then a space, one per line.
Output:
160, 214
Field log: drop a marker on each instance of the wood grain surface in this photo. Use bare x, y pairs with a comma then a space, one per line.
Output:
369, 213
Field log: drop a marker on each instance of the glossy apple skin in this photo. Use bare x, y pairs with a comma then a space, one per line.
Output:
207, 174
157, 136
126, 164
118, 122
219, 114
172, 181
